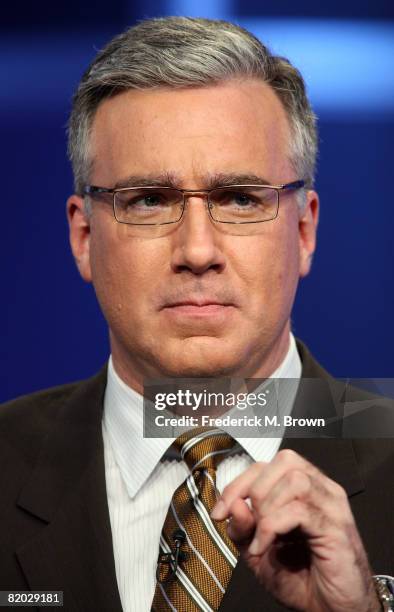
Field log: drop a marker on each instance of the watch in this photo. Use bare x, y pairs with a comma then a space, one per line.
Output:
385, 589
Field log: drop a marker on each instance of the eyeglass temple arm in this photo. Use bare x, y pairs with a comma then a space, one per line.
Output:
93, 189
293, 185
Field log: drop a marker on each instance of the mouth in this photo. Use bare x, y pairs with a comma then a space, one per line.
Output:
199, 303
198, 308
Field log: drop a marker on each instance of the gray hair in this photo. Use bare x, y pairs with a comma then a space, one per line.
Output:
180, 52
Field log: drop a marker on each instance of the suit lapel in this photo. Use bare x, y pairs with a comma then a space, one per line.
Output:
335, 457
73, 551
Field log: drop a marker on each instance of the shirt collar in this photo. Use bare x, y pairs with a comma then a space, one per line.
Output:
137, 456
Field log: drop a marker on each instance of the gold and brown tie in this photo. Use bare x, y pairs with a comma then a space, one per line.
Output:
202, 578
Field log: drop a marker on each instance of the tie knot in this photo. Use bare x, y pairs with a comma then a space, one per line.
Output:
204, 448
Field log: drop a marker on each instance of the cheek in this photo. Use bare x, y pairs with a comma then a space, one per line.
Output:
268, 270
108, 269
124, 270
107, 282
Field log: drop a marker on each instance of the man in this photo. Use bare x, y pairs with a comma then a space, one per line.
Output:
194, 216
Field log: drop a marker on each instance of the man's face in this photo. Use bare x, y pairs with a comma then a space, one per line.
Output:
193, 299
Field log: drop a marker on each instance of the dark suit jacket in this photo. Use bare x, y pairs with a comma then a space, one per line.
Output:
55, 530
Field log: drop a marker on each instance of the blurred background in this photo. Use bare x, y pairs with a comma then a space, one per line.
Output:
51, 329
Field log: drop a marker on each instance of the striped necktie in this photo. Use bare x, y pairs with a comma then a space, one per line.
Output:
202, 578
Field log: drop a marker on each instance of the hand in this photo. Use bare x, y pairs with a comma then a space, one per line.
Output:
297, 533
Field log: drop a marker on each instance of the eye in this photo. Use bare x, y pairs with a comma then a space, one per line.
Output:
144, 200
148, 200
236, 199
242, 199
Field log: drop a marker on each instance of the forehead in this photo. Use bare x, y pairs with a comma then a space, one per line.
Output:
236, 126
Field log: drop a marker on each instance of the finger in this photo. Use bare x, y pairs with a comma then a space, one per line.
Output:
242, 525
257, 481
316, 492
289, 517
293, 485
237, 489
314, 522
284, 463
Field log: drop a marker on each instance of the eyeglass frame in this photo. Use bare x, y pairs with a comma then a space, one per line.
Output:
94, 189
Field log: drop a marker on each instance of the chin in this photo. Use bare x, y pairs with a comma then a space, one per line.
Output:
199, 360
196, 371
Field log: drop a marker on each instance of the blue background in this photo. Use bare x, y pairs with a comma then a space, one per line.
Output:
51, 329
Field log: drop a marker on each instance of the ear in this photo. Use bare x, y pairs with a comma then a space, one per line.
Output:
79, 226
307, 227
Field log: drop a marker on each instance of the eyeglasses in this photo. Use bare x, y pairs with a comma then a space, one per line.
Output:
236, 204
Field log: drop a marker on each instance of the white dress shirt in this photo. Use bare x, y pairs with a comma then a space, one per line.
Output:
140, 484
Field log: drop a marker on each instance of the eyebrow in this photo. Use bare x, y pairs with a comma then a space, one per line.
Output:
232, 178
169, 179
166, 179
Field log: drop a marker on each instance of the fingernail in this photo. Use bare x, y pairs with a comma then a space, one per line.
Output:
219, 511
254, 547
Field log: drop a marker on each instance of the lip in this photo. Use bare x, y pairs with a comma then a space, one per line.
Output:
199, 308
196, 303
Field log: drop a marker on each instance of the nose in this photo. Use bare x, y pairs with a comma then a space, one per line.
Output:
197, 242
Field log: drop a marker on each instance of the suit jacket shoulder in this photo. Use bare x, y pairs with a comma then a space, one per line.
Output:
27, 420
